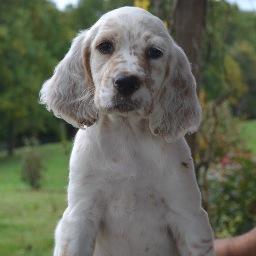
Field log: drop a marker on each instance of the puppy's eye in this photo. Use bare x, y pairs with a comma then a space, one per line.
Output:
154, 53
105, 47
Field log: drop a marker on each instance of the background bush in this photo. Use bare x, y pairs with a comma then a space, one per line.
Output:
32, 166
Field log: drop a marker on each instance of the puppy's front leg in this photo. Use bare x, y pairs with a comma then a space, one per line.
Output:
187, 220
192, 234
76, 232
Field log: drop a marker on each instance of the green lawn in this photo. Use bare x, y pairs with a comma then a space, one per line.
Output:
248, 133
28, 218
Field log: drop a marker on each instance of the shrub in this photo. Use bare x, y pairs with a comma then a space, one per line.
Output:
32, 167
232, 195
226, 172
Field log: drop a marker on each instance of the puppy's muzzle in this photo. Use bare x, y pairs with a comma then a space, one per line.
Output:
126, 85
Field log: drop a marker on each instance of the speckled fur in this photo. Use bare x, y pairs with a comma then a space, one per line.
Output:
132, 188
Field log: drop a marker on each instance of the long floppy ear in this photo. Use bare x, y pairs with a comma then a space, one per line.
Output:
177, 110
69, 93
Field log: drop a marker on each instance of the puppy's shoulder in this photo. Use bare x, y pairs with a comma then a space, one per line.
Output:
83, 145
179, 151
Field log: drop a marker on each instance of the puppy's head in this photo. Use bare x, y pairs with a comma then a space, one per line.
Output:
126, 63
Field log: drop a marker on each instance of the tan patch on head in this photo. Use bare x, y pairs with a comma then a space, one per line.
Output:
108, 36
146, 67
147, 36
114, 63
87, 66
112, 67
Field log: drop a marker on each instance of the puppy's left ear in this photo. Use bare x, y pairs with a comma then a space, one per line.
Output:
177, 110
69, 93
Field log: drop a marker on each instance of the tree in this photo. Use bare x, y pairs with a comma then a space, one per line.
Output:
188, 28
88, 12
245, 55
28, 52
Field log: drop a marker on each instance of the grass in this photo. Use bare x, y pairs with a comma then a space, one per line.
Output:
27, 217
248, 134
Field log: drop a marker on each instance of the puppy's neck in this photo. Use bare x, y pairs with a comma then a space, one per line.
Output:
131, 122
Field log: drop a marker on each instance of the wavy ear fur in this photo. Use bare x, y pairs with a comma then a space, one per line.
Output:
69, 93
177, 110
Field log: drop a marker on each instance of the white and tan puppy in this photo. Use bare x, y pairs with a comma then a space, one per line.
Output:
132, 188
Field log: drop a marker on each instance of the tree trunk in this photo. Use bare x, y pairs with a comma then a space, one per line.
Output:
10, 144
187, 27
158, 11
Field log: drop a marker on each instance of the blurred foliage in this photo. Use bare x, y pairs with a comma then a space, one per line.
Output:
224, 166
248, 134
225, 70
245, 54
232, 194
215, 138
226, 171
89, 11
31, 44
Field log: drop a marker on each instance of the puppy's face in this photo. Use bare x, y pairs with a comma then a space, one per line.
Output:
128, 62
125, 63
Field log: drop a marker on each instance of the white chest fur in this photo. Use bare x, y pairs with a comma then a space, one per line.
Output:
135, 192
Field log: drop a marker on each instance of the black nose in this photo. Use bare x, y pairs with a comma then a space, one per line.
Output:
127, 85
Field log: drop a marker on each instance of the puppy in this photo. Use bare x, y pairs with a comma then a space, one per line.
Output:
132, 190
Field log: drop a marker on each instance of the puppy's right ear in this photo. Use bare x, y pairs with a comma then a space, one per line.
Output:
69, 93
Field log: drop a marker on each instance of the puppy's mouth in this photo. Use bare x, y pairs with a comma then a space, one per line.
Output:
123, 105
